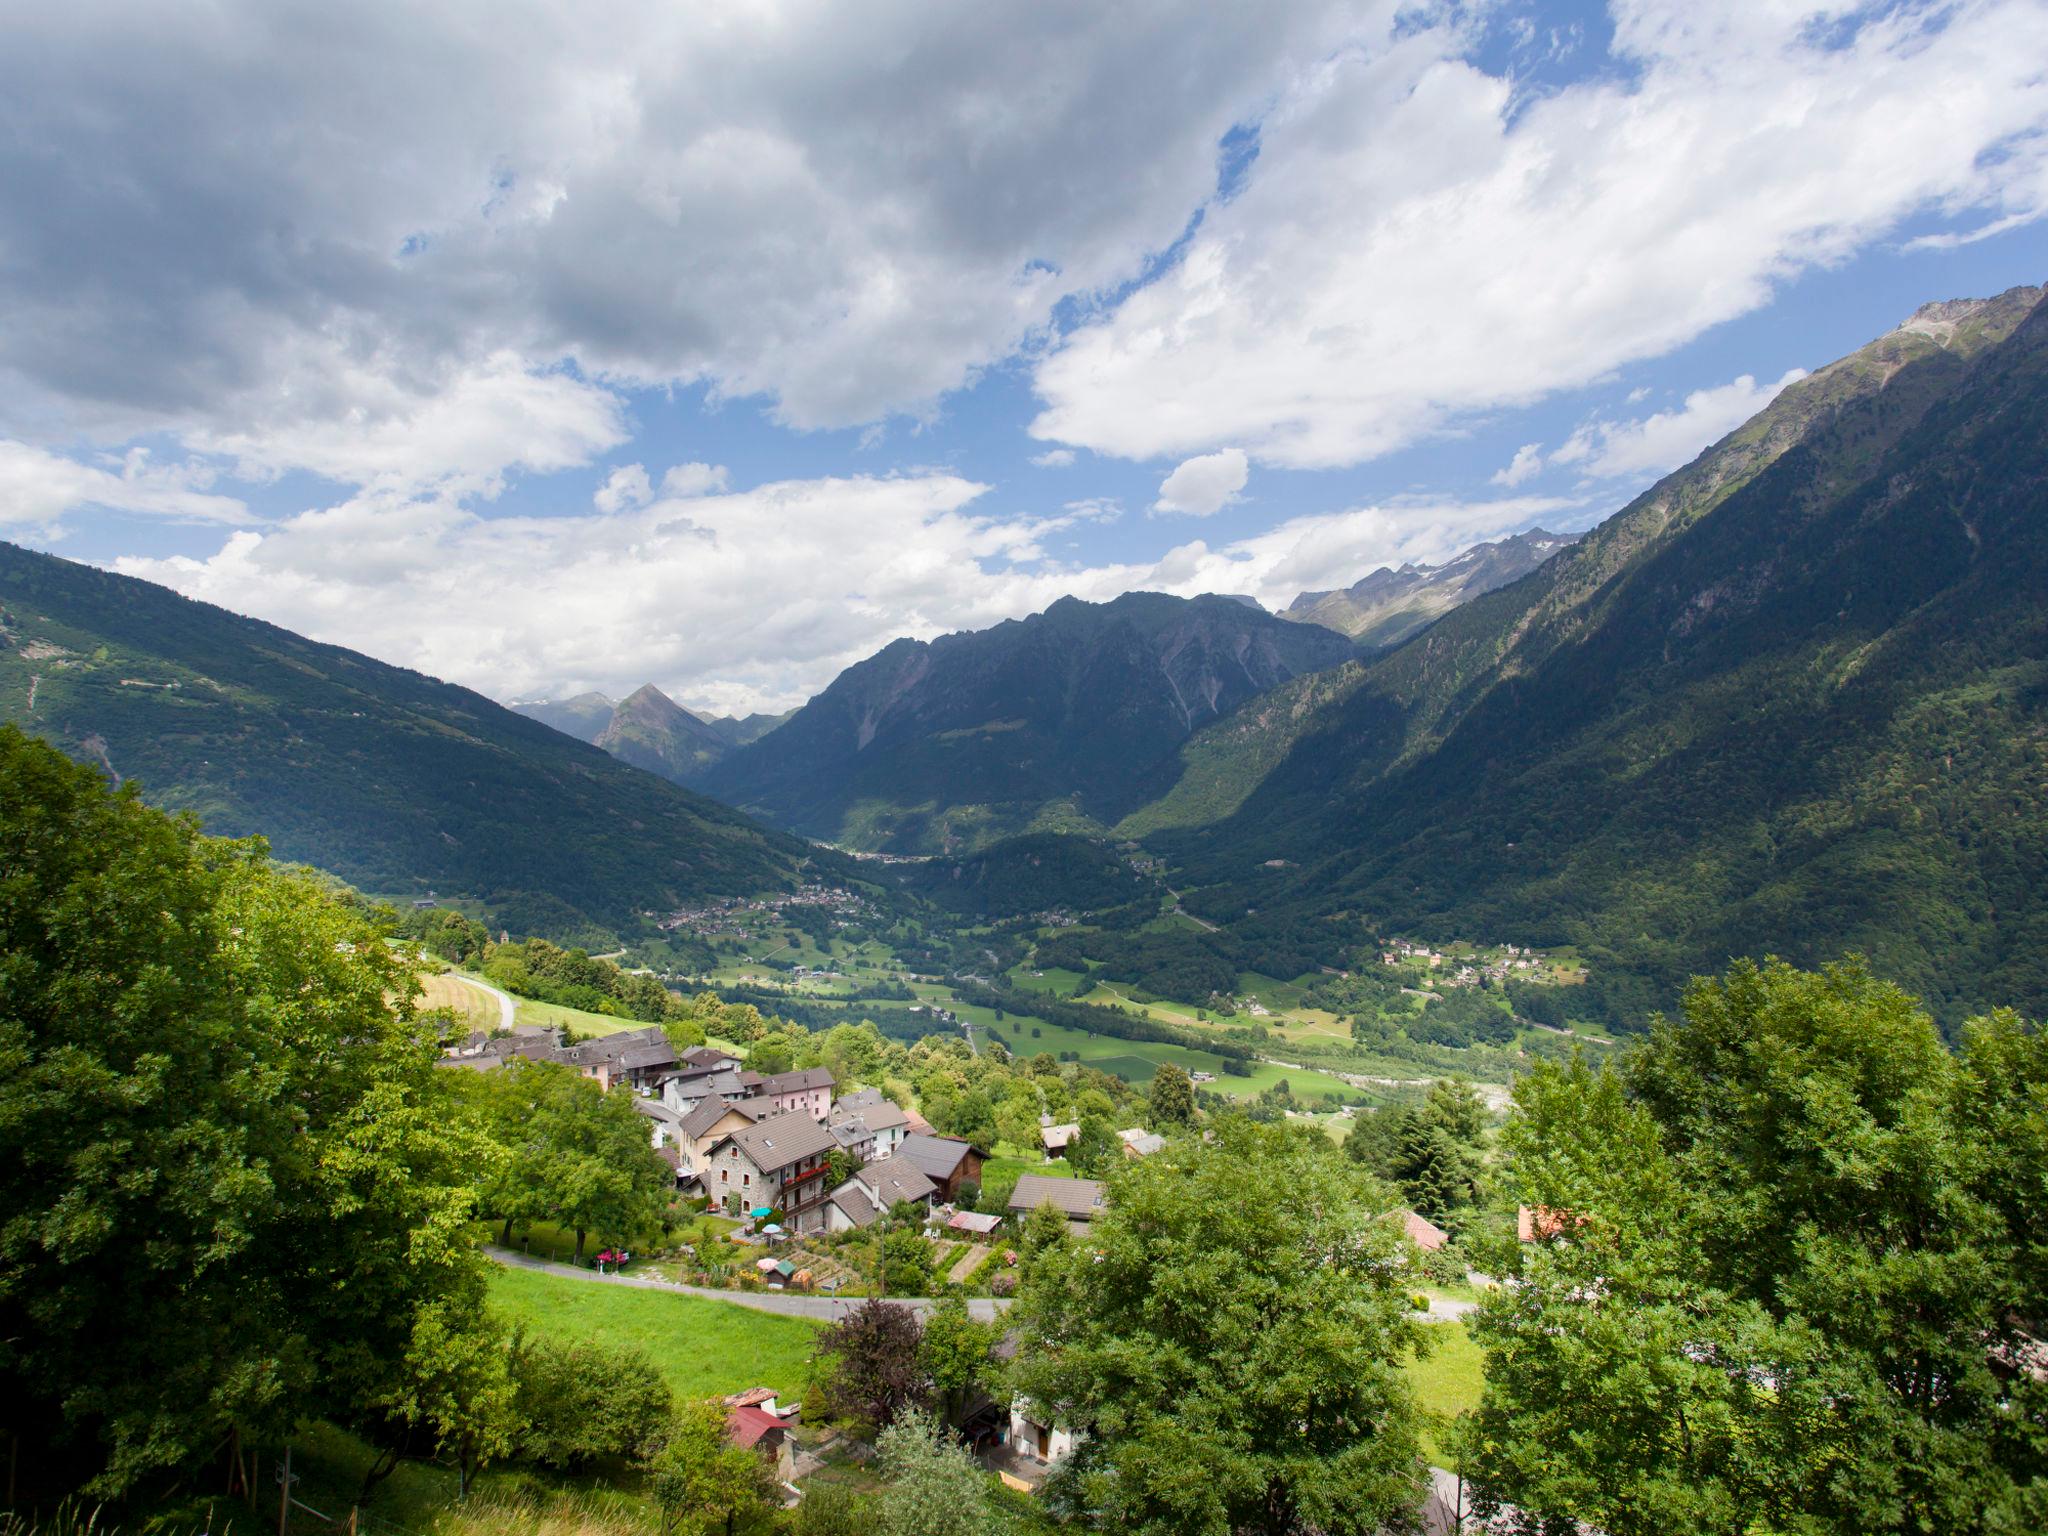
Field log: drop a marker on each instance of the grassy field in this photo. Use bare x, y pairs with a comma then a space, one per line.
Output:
472, 1006
1447, 1383
703, 1348
1136, 1060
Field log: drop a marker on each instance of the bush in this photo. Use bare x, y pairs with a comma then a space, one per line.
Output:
582, 1402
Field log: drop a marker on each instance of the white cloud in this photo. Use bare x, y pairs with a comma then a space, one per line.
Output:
694, 480
671, 592
268, 228
38, 487
624, 488
1054, 458
1414, 242
1204, 485
1663, 441
1526, 465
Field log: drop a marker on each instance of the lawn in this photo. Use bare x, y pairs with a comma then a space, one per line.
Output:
703, 1348
473, 1007
1447, 1383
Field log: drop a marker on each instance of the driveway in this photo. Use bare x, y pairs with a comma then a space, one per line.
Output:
827, 1309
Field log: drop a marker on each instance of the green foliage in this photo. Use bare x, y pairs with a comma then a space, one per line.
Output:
957, 1354
1785, 1278
869, 1366
1036, 873
833, 1509
1229, 1339
931, 1486
906, 1261
393, 781
1173, 1097
1429, 1152
703, 1484
236, 1194
579, 1402
573, 1153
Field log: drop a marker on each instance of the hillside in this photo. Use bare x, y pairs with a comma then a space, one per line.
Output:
1062, 721
396, 782
583, 716
1388, 606
650, 730
1793, 697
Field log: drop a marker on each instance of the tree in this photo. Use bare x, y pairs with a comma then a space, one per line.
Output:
833, 1509
580, 1402
225, 1141
869, 1367
458, 1386
906, 1262
1778, 1286
931, 1486
576, 1153
704, 1484
1274, 1369
956, 1353
1045, 1235
1173, 1096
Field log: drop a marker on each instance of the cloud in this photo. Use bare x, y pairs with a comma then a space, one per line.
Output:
1204, 485
672, 591
1667, 439
38, 487
1417, 242
281, 230
625, 488
1054, 458
1526, 465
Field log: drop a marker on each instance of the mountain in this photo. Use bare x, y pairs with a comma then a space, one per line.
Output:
585, 716
1792, 698
1061, 721
396, 782
1388, 606
650, 730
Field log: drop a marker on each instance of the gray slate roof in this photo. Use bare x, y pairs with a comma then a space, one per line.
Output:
937, 1157
892, 1179
854, 1204
797, 1082
1076, 1199
781, 1140
708, 1112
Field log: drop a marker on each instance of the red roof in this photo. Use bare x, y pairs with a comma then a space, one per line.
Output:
749, 1426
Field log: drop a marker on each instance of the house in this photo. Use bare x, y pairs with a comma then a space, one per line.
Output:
1422, 1232
699, 1057
664, 1124
605, 1059
1140, 1143
1056, 1138
809, 1090
778, 1162
684, 1091
644, 1066
873, 1190
710, 1121
754, 1421
975, 1223
870, 1122
1035, 1439
946, 1160
1079, 1200
1537, 1222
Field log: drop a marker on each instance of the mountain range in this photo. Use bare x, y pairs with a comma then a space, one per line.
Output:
1794, 696
650, 730
398, 783
1388, 606
1060, 721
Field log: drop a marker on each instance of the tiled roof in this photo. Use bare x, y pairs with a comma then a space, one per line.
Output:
854, 1204
654, 1109
1077, 1199
748, 1426
893, 1179
798, 1082
937, 1157
781, 1140
641, 1056
974, 1221
708, 1112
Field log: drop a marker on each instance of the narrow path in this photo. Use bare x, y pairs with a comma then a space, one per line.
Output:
508, 1006
969, 1262
828, 1309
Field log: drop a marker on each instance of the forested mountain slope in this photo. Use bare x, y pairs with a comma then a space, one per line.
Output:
583, 715
1795, 698
1064, 720
650, 730
396, 782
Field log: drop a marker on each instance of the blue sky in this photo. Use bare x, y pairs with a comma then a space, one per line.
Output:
719, 350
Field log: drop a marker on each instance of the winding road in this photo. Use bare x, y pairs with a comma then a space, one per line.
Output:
508, 1006
827, 1309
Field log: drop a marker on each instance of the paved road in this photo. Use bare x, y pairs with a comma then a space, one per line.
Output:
508, 1007
826, 1308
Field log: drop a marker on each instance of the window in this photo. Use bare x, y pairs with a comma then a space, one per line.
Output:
746, 1179
724, 1175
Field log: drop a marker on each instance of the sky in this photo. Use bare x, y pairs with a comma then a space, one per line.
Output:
716, 345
